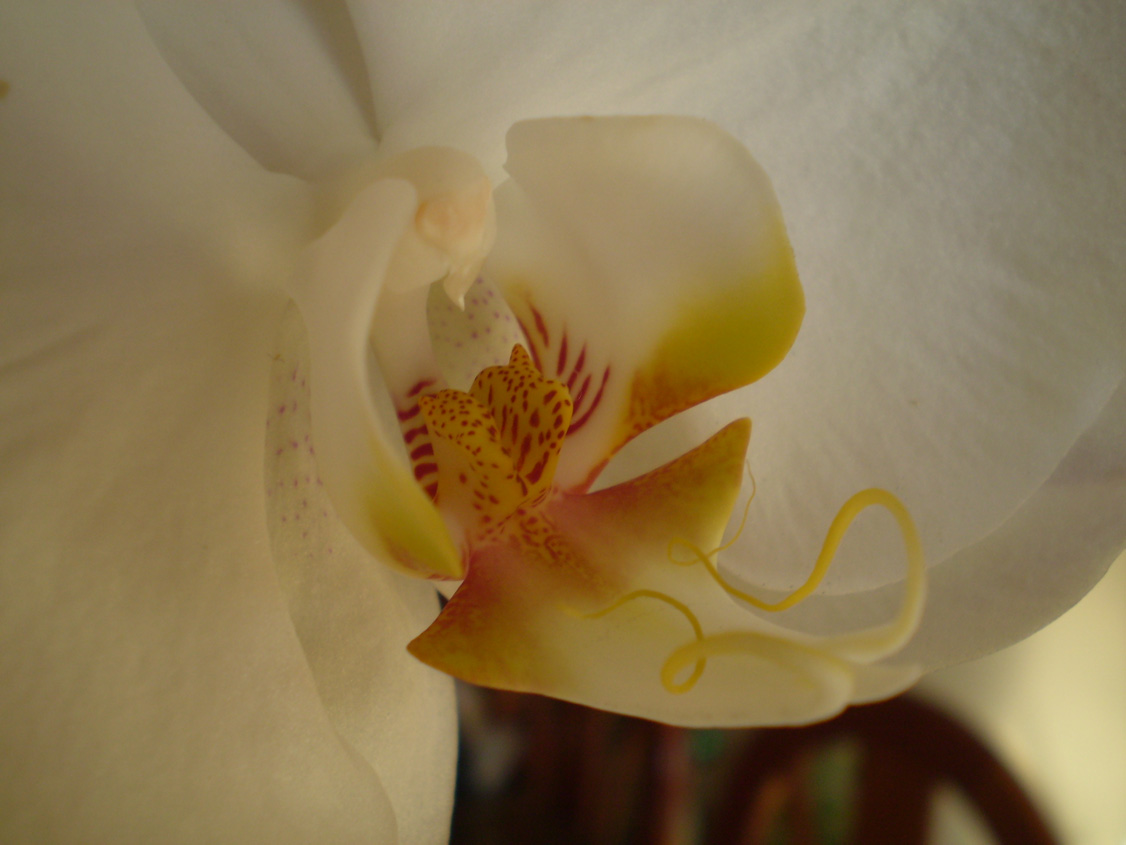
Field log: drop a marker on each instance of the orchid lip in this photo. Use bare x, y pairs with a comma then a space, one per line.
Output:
495, 461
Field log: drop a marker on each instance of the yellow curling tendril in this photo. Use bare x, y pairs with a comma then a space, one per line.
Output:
796, 658
667, 678
840, 525
863, 645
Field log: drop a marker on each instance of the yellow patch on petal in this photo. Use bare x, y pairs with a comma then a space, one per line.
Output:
717, 344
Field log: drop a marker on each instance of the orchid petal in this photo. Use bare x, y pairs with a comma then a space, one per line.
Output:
153, 684
286, 80
1028, 566
647, 260
366, 477
354, 617
493, 460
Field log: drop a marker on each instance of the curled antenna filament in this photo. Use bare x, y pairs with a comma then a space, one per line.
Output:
865, 645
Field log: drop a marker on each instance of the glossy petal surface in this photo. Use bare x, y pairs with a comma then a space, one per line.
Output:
514, 619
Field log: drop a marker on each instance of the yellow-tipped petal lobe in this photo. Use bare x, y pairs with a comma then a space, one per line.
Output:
647, 260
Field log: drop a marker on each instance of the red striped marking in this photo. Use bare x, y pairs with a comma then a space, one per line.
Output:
581, 421
423, 451
541, 326
410, 435
562, 362
419, 387
580, 362
417, 438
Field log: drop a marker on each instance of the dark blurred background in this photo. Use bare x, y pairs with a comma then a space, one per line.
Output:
535, 770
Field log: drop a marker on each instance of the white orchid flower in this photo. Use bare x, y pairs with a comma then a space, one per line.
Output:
203, 642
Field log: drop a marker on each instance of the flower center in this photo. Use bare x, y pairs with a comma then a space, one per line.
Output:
497, 446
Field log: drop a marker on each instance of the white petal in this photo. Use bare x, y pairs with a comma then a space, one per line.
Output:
154, 686
1036, 565
286, 80
354, 617
458, 74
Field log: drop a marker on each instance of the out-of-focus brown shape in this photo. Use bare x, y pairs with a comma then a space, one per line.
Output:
585, 777
908, 750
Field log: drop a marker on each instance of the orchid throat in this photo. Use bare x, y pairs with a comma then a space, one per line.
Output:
525, 336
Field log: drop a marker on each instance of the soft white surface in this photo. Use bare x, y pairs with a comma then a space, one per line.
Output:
158, 684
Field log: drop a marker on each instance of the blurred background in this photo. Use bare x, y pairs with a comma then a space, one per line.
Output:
1026, 746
